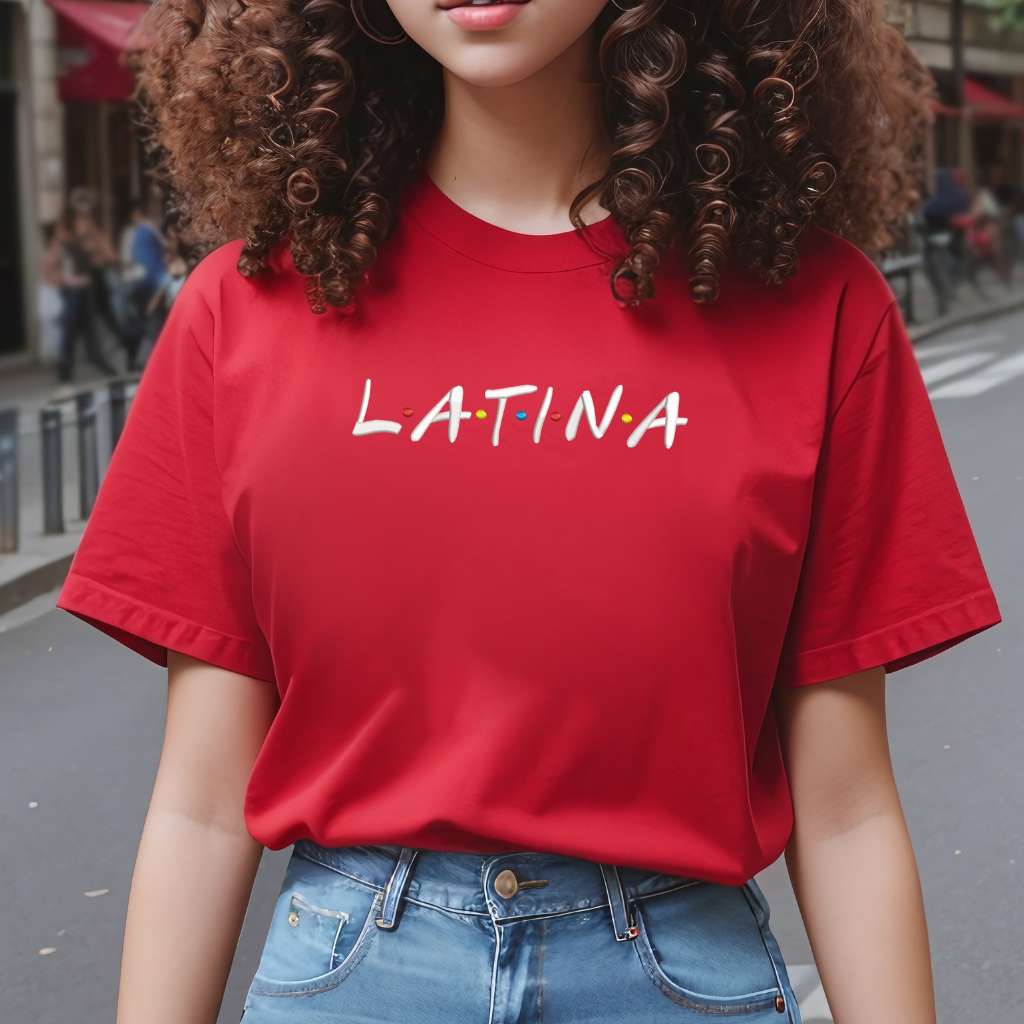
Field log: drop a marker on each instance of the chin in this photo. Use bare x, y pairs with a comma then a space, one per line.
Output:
541, 31
490, 68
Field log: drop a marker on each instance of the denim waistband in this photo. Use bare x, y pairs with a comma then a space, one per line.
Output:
507, 886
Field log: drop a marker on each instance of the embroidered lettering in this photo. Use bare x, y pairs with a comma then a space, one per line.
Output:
364, 426
449, 409
454, 415
586, 403
670, 404
503, 395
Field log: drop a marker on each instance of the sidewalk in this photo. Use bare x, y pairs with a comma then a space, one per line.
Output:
43, 560
968, 306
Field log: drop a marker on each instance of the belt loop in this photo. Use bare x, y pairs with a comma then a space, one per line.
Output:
395, 888
622, 923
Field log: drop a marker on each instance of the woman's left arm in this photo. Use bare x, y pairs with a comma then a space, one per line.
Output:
850, 857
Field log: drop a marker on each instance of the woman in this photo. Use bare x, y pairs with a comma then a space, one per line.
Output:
66, 266
944, 254
527, 503
144, 266
101, 260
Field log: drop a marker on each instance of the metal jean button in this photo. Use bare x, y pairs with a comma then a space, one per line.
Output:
506, 884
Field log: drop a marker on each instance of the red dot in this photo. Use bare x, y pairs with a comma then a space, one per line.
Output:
407, 411
556, 415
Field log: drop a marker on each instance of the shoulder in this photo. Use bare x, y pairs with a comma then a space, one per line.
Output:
865, 315
826, 317
833, 278
218, 280
217, 270
829, 260
213, 282
236, 311
202, 293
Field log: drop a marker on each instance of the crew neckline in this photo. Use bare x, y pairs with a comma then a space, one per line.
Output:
435, 212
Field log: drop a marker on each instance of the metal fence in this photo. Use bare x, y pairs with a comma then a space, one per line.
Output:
945, 262
51, 466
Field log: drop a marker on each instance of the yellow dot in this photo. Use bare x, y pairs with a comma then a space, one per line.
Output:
627, 417
481, 414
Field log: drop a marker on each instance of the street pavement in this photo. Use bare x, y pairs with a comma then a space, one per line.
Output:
82, 720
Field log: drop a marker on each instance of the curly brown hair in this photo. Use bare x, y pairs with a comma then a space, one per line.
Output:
734, 123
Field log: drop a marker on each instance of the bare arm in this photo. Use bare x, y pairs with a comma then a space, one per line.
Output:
156, 299
100, 246
850, 857
196, 863
51, 264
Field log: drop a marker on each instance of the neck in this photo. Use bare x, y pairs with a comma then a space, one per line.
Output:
512, 156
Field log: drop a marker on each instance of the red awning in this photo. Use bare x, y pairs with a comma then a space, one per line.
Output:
110, 23
985, 102
981, 101
945, 109
92, 35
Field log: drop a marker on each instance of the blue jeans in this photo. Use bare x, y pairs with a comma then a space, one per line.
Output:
400, 935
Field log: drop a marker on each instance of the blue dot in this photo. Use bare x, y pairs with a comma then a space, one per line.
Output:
521, 415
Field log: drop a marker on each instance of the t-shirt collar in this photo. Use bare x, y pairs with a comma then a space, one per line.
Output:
427, 206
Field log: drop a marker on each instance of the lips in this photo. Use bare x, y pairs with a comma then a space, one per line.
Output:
481, 16
448, 5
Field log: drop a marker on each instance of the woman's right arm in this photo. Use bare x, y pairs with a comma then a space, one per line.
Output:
196, 862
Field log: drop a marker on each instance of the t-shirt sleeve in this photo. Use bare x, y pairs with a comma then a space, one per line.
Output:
157, 566
891, 573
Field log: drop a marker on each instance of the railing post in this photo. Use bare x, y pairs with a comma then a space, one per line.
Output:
9, 479
88, 453
117, 410
51, 432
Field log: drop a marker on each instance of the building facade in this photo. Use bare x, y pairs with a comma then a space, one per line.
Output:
985, 138
65, 121
32, 168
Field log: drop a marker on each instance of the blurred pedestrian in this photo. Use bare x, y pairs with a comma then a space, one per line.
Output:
143, 271
987, 229
161, 302
943, 255
49, 307
980, 226
950, 196
103, 262
67, 266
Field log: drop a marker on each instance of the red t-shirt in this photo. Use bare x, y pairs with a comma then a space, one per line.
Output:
524, 564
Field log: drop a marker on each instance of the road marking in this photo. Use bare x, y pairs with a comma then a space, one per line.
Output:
991, 376
810, 995
951, 367
949, 347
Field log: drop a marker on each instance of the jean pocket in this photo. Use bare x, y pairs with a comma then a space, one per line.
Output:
703, 946
322, 927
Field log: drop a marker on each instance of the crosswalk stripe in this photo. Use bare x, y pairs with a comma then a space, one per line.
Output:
991, 376
949, 347
951, 367
806, 982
